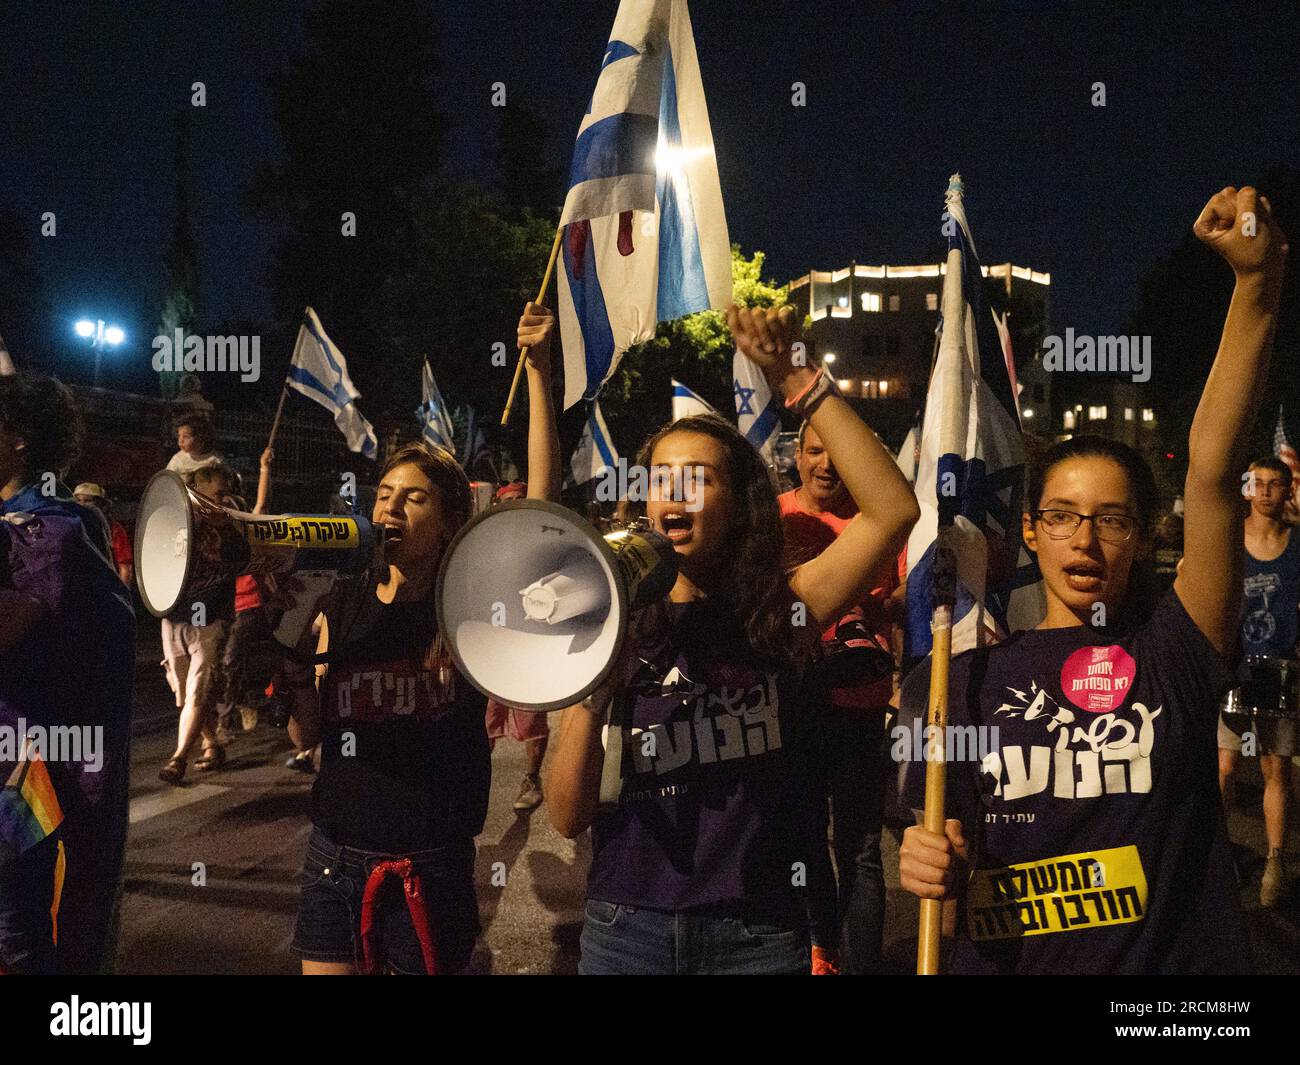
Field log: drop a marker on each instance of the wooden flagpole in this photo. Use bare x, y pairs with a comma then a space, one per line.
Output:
541, 295
279, 410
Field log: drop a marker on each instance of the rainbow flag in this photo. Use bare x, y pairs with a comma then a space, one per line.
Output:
29, 809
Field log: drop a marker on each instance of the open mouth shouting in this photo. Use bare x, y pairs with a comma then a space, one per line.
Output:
1085, 576
676, 525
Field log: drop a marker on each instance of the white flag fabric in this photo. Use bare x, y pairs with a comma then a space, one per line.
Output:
435, 418
758, 414
595, 451
645, 236
319, 372
906, 457
971, 469
687, 403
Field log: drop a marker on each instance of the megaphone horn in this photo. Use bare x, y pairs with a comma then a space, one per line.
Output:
185, 545
534, 602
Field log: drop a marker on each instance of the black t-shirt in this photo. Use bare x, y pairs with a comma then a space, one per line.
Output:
1100, 840
404, 758
716, 800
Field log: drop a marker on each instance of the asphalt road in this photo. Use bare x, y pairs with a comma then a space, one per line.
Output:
212, 867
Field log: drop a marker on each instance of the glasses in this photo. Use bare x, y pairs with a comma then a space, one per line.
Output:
1110, 528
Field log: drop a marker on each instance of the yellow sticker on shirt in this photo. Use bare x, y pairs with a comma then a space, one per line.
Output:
1065, 894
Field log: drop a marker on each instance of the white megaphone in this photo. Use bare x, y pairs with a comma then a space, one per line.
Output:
185, 544
534, 602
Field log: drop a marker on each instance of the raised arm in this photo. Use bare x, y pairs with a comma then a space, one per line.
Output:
264, 481
1239, 226
887, 507
535, 329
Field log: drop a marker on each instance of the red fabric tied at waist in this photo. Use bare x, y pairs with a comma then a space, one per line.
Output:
413, 889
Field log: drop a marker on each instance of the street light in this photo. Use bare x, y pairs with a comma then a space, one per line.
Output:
100, 336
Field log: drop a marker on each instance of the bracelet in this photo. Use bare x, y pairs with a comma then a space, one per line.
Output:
820, 387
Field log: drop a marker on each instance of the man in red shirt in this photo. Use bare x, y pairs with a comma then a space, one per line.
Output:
851, 756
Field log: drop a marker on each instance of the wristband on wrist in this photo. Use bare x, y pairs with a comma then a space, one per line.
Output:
818, 389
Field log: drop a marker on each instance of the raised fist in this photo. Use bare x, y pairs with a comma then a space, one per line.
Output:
1238, 224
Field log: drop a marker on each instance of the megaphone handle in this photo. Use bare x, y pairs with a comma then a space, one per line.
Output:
294, 623
611, 770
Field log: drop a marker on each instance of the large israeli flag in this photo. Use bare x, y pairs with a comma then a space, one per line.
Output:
758, 415
594, 453
687, 403
971, 468
319, 371
645, 236
435, 419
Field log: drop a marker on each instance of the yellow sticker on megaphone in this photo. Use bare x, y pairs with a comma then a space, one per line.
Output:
327, 533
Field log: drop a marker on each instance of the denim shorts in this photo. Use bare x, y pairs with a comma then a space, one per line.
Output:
619, 940
329, 915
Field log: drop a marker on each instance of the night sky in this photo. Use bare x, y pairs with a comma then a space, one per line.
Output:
899, 96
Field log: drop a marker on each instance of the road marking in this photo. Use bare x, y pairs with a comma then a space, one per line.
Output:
163, 802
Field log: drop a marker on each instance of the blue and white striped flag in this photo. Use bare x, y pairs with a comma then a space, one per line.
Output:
758, 415
595, 451
435, 419
971, 469
475, 441
687, 403
319, 371
645, 236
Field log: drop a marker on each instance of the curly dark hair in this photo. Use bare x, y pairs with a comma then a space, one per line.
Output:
42, 413
204, 434
753, 584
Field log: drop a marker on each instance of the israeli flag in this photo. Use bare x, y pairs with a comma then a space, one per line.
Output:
475, 441
687, 403
435, 418
758, 415
319, 371
645, 237
971, 469
594, 453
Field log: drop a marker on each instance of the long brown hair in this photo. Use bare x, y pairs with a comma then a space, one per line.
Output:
452, 486
752, 581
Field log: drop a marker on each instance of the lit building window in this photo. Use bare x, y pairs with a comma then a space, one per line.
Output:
1096, 414
932, 301
1128, 414
884, 388
871, 301
1069, 419
893, 303
845, 385
1148, 415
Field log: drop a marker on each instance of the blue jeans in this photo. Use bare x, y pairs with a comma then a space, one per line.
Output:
329, 916
620, 940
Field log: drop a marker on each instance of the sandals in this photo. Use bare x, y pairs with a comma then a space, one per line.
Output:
173, 772
213, 758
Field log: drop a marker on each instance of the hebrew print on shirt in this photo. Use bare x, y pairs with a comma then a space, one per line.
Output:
1089, 748
390, 690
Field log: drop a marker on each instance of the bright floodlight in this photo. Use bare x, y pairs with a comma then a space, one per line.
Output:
85, 329
114, 335
829, 357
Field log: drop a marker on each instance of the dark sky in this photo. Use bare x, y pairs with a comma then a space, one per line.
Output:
899, 96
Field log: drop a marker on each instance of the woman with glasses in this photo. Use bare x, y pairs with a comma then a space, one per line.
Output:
1090, 837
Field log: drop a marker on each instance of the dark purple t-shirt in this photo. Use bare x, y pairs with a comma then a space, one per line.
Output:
715, 805
1100, 841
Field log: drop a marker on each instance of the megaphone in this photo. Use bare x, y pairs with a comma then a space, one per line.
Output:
534, 602
185, 545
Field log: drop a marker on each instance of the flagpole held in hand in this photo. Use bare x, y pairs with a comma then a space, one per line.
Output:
279, 410
541, 296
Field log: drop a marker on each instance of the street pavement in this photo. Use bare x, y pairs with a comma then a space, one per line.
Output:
212, 867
